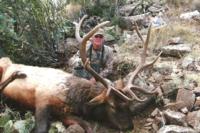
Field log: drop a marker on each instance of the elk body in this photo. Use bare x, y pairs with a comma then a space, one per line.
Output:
53, 92
50, 92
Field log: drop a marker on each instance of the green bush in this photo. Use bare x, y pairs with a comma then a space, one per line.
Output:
30, 31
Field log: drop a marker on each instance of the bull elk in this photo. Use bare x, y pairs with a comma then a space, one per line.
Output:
53, 92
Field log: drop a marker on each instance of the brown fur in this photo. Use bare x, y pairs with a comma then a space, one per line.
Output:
54, 92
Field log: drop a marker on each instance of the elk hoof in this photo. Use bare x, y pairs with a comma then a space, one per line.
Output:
19, 75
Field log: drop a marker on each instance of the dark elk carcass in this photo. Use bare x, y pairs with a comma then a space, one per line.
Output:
65, 97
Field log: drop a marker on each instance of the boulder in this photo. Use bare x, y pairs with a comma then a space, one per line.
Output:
191, 63
186, 99
75, 129
175, 129
173, 117
127, 10
176, 50
193, 119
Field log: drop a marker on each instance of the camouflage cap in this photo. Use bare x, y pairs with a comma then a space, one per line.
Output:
99, 32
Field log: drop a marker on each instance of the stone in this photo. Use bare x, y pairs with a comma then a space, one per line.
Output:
75, 129
175, 41
147, 124
155, 8
176, 50
191, 63
197, 91
155, 127
155, 112
137, 18
127, 10
184, 110
195, 5
58, 126
191, 78
171, 87
189, 15
149, 120
173, 117
197, 102
193, 119
187, 97
175, 129
164, 68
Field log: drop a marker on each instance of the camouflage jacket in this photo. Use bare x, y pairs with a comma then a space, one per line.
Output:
101, 61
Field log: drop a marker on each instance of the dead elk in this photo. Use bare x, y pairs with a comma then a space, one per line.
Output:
53, 92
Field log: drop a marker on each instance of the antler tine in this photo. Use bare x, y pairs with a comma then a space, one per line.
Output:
128, 88
138, 33
142, 60
77, 27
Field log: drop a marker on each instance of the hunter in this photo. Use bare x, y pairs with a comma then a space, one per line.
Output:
99, 55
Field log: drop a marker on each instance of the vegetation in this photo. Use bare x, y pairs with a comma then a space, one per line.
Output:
31, 30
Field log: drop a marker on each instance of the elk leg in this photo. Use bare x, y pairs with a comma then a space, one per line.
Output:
15, 75
70, 120
42, 118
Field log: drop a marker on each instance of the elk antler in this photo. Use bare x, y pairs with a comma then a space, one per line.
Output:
77, 27
137, 31
128, 88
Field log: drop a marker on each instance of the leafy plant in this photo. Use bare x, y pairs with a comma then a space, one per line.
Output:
30, 31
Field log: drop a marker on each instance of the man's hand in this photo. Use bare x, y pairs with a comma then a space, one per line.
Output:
93, 80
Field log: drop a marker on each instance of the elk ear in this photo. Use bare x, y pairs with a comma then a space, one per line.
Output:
98, 99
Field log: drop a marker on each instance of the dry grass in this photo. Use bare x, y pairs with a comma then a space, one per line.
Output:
187, 30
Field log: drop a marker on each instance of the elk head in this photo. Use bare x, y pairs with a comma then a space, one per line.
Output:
115, 99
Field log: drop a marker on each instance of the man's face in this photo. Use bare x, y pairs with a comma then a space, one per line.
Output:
97, 41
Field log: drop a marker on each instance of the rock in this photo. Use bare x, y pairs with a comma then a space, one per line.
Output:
184, 110
155, 127
147, 124
191, 79
191, 63
176, 50
164, 68
175, 41
149, 120
166, 101
125, 24
127, 10
175, 129
196, 5
188, 60
137, 18
197, 102
189, 15
196, 91
156, 8
69, 46
187, 98
173, 117
170, 87
75, 129
155, 112
58, 127
193, 119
